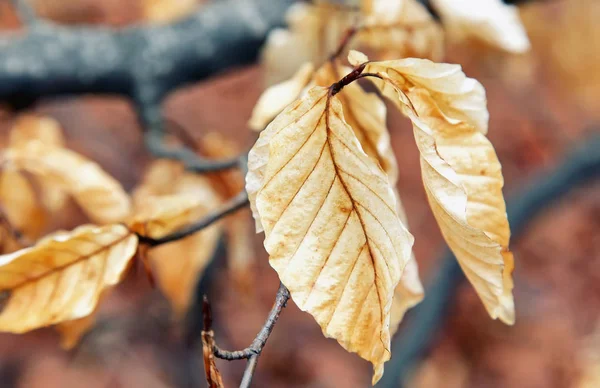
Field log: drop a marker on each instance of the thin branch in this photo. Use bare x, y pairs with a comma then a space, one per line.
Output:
192, 161
261, 338
236, 203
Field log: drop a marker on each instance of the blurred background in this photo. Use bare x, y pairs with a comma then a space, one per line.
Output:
544, 105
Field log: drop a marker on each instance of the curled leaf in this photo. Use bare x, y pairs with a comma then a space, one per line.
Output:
99, 195
331, 227
459, 98
460, 170
62, 277
491, 21
213, 376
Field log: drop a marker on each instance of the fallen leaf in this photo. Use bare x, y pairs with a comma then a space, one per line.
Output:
184, 199
322, 200
100, 196
62, 277
491, 21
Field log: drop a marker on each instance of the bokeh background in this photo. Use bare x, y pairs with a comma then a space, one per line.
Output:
543, 106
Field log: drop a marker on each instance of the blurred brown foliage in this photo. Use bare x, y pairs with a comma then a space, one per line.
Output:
540, 104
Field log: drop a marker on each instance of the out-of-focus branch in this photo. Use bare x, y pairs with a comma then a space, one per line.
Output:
253, 351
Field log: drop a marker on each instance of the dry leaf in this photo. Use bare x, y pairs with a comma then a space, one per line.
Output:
20, 204
166, 11
99, 195
62, 277
213, 376
321, 201
71, 332
461, 172
366, 114
178, 199
409, 291
238, 226
459, 98
491, 21
275, 98
400, 29
314, 31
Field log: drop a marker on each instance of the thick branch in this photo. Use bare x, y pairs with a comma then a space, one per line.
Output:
236, 203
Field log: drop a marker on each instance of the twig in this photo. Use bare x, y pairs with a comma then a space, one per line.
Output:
253, 351
236, 203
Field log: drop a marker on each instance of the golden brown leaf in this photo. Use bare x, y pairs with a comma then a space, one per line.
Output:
177, 199
213, 376
491, 21
62, 277
99, 195
321, 201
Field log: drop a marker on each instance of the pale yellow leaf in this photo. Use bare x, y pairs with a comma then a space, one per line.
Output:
459, 98
176, 199
461, 174
275, 98
463, 182
400, 29
48, 131
99, 195
331, 227
62, 277
492, 21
